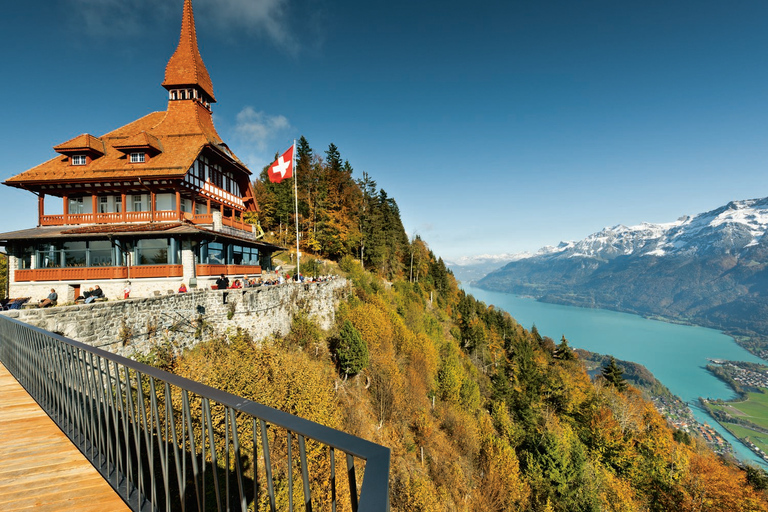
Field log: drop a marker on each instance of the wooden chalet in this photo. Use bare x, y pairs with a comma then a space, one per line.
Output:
157, 202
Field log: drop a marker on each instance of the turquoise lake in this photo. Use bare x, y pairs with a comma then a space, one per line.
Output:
675, 354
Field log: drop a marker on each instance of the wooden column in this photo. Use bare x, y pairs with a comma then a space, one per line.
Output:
65, 209
152, 206
40, 209
94, 207
178, 205
209, 206
122, 207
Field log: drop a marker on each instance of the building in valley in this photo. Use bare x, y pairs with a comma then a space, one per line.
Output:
157, 202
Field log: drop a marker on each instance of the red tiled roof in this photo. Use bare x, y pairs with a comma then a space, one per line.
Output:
140, 140
186, 67
181, 132
178, 135
85, 142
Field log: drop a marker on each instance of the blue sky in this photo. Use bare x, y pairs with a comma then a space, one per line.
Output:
498, 127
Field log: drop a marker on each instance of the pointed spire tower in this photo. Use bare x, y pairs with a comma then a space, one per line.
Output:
186, 77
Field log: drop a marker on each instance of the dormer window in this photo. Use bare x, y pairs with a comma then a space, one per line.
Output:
138, 158
79, 160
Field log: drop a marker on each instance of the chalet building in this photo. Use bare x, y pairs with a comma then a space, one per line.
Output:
154, 203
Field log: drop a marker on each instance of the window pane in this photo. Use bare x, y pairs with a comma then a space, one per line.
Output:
100, 253
74, 254
152, 252
216, 254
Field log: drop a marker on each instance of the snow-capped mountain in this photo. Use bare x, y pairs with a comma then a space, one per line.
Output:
730, 228
710, 268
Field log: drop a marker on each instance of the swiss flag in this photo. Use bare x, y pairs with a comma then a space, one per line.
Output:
281, 168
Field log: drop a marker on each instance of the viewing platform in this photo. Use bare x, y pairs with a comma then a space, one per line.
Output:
85, 429
40, 468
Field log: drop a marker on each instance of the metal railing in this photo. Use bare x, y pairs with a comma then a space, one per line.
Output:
168, 443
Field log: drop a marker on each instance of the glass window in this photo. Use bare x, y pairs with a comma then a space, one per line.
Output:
76, 205
212, 253
48, 256
78, 160
138, 203
25, 258
152, 252
74, 254
103, 204
100, 253
245, 255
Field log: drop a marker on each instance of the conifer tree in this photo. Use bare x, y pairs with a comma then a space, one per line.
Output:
613, 374
351, 350
563, 351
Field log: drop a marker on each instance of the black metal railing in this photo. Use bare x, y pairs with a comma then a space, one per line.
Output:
168, 443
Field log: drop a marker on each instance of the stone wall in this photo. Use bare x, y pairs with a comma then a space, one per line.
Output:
182, 319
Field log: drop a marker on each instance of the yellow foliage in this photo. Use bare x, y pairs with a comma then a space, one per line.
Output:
712, 486
374, 326
502, 487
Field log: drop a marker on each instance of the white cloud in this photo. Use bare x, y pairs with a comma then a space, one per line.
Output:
259, 128
258, 17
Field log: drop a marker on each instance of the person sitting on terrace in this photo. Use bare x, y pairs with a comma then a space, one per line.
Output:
237, 284
183, 288
85, 295
50, 300
97, 293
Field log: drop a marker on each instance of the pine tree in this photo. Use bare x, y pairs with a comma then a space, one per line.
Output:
351, 350
563, 351
613, 374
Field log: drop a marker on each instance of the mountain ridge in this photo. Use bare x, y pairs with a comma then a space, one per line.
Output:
709, 269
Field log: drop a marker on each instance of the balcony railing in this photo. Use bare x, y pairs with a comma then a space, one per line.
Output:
229, 270
156, 216
168, 443
85, 273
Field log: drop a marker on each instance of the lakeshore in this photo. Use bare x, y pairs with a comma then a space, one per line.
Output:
676, 354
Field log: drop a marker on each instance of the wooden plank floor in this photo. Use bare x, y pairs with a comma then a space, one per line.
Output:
40, 468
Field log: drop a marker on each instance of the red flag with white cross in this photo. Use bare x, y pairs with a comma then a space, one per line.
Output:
281, 168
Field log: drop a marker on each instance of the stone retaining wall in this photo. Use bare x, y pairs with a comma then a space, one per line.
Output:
136, 325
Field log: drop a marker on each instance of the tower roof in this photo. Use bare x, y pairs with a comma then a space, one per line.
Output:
185, 67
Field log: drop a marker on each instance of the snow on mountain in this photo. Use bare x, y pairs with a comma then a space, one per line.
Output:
732, 227
465, 261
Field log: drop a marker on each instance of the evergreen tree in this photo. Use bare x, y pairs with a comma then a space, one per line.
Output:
350, 349
613, 374
563, 351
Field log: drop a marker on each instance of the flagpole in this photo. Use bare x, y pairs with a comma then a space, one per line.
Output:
296, 206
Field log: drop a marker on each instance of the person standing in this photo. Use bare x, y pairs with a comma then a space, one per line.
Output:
222, 283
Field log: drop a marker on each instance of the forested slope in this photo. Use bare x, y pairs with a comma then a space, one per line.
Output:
480, 413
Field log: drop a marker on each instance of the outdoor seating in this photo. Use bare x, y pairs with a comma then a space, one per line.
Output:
15, 303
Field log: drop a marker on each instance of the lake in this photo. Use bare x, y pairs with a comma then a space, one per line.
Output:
676, 354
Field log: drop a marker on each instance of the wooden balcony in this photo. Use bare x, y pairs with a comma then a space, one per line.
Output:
142, 217
88, 273
217, 270
237, 224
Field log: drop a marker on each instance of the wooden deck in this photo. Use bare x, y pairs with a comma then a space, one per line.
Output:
40, 468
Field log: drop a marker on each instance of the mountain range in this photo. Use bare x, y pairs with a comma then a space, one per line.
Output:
708, 269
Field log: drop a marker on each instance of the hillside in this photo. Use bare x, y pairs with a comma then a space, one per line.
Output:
709, 269
480, 413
